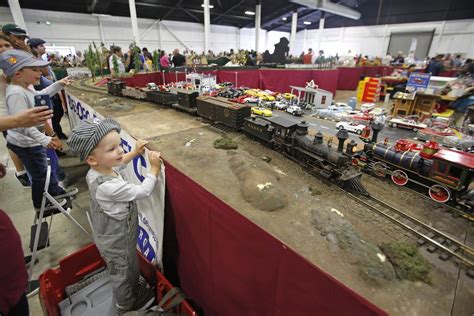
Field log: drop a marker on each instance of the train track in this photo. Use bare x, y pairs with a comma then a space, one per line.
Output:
84, 87
456, 211
451, 247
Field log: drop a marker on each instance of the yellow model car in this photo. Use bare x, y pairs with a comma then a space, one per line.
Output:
265, 97
252, 92
288, 96
261, 111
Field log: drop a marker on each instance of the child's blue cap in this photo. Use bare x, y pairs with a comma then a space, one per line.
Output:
14, 60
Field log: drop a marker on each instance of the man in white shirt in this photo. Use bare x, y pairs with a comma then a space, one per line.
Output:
116, 56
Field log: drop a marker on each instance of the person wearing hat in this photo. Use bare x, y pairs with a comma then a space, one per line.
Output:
59, 104
23, 70
16, 35
113, 211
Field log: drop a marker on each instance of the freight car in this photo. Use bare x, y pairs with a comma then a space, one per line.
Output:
223, 112
186, 101
134, 93
162, 97
319, 158
115, 87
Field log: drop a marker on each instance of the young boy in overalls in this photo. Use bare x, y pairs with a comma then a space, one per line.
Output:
113, 209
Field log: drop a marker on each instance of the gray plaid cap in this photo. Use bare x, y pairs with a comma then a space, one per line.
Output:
85, 136
14, 60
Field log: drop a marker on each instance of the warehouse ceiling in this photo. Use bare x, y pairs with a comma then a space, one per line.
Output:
274, 12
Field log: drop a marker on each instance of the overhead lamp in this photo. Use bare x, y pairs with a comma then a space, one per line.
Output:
307, 23
47, 22
249, 12
210, 6
284, 18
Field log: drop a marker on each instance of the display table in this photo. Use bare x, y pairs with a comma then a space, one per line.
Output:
272, 79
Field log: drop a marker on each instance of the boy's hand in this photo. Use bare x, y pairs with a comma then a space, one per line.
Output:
155, 162
140, 146
65, 81
55, 143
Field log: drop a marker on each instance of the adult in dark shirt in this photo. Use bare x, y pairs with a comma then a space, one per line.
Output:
178, 60
399, 59
435, 67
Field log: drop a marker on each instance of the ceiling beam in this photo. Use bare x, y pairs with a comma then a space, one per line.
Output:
283, 23
171, 10
217, 18
189, 12
284, 10
98, 6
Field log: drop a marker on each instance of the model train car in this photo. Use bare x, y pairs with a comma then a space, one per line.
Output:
223, 112
446, 174
319, 158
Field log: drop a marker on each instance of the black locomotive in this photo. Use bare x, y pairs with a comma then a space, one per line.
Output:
322, 159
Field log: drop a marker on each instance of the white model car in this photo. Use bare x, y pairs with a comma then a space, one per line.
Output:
294, 110
279, 105
351, 127
367, 107
340, 106
406, 123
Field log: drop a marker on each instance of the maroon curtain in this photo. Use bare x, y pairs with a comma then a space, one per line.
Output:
326, 79
348, 78
229, 266
246, 78
280, 80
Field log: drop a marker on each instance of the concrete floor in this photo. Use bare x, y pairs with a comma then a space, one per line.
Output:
65, 237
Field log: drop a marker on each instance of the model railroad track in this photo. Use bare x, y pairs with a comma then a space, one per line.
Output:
87, 88
451, 247
453, 210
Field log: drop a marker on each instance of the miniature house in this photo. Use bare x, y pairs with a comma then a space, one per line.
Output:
404, 103
425, 104
315, 97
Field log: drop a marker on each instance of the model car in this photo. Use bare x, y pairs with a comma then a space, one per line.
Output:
333, 112
288, 96
351, 127
367, 106
279, 105
294, 110
252, 92
265, 97
261, 111
406, 123
248, 99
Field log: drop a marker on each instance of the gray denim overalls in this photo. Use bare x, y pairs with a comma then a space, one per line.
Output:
117, 242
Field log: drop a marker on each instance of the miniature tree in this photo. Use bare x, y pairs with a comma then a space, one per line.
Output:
98, 57
115, 66
156, 60
136, 57
91, 61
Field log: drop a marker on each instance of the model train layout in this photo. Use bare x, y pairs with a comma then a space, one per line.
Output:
444, 174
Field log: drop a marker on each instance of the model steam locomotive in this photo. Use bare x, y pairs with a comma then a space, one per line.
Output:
446, 174
318, 157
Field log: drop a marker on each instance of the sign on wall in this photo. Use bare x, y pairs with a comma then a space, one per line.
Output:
150, 210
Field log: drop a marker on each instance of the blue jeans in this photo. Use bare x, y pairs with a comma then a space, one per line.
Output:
36, 163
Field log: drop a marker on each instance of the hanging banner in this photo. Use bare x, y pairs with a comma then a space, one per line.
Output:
150, 210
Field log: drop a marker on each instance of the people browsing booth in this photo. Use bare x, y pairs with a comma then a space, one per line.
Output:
113, 212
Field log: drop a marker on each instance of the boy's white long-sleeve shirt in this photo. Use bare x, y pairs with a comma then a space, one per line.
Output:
19, 99
114, 195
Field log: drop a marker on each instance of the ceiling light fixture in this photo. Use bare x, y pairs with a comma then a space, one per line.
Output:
307, 23
210, 6
249, 12
284, 18
47, 22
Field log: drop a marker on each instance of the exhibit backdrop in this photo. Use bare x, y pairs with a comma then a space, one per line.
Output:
150, 210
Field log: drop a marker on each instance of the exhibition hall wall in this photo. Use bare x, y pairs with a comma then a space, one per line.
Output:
74, 29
